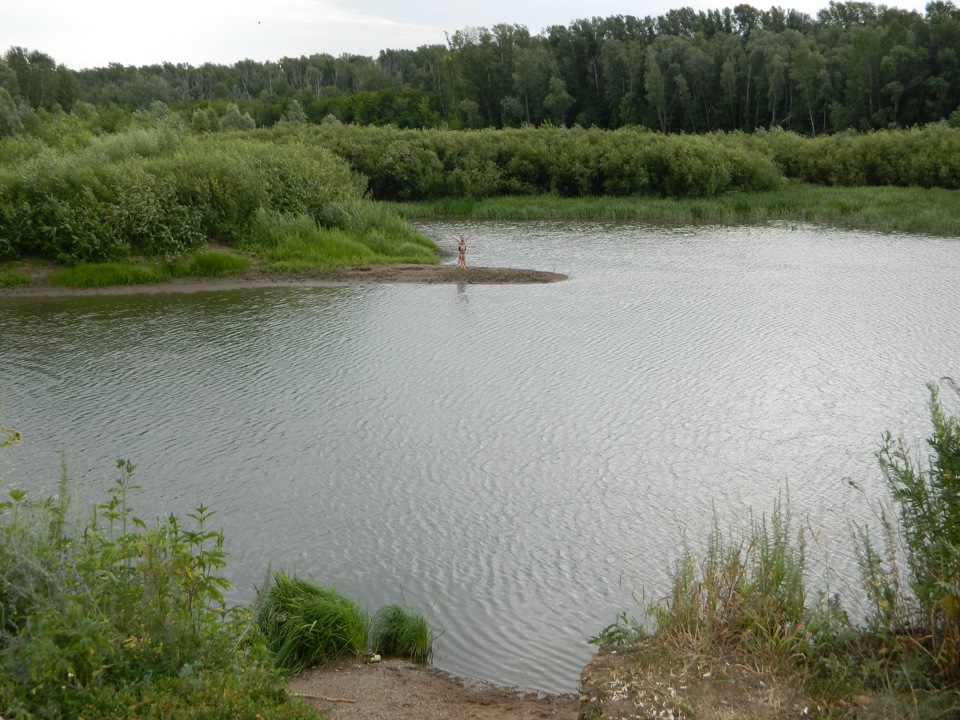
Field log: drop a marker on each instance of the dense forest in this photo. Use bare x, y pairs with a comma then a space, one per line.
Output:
854, 66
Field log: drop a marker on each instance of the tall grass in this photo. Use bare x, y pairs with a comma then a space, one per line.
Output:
348, 234
401, 632
202, 264
307, 625
13, 278
746, 589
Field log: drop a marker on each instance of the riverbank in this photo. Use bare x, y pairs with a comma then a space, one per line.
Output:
40, 285
645, 681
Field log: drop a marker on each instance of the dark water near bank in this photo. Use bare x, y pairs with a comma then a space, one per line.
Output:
519, 460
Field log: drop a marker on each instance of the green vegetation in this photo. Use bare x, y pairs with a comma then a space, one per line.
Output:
13, 278
746, 593
146, 203
306, 625
163, 194
209, 264
927, 499
203, 264
402, 632
883, 209
852, 65
114, 618
107, 274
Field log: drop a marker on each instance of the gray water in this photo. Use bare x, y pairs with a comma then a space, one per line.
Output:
518, 461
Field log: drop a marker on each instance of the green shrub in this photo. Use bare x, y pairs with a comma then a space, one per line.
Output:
926, 494
400, 631
306, 625
112, 618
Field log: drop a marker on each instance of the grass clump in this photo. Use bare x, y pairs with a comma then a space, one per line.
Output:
12, 278
745, 590
210, 264
347, 234
400, 631
98, 275
307, 625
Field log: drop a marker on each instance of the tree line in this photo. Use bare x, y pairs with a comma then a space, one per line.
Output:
855, 66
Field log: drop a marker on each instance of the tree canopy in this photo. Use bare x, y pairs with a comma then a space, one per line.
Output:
854, 66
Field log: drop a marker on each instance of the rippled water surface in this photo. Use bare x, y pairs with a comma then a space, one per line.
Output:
519, 460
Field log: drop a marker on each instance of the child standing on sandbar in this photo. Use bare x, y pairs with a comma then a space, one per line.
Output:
461, 250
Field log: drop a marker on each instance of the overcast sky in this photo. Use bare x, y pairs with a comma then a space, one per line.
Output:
94, 33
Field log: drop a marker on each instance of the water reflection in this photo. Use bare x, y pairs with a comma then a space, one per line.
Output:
518, 460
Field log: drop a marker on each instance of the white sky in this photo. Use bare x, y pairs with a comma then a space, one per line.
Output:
93, 33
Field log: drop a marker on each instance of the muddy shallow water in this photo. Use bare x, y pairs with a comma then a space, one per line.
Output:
518, 460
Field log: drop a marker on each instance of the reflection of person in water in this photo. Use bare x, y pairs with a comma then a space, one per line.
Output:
461, 250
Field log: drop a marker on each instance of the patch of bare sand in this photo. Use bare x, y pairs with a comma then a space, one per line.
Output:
425, 274
400, 690
653, 680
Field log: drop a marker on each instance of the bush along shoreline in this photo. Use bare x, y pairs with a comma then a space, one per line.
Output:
741, 629
159, 200
116, 618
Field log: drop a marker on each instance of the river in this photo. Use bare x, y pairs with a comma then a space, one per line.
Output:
518, 461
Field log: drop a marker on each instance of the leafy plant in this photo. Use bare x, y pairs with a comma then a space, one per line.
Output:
114, 618
927, 497
621, 633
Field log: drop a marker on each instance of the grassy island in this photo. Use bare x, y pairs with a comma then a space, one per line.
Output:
161, 201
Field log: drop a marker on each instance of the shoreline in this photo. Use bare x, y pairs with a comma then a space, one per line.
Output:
364, 274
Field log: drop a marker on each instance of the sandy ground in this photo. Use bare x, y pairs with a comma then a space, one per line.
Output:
427, 274
399, 690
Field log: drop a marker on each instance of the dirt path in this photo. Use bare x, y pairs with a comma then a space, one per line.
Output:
399, 690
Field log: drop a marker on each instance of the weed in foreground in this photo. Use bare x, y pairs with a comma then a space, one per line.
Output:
113, 618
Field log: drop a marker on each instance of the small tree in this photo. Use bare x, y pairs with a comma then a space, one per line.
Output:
233, 119
295, 114
928, 506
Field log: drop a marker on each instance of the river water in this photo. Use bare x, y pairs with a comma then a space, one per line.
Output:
517, 461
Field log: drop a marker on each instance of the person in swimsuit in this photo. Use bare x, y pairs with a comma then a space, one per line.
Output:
461, 250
